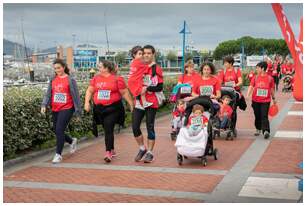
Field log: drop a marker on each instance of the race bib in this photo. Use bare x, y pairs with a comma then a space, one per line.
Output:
185, 90
262, 93
147, 80
60, 98
206, 90
104, 94
230, 84
196, 121
274, 72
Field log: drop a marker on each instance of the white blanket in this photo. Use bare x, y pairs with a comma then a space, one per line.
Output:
191, 146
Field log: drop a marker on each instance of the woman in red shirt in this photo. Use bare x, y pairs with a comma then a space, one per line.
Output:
63, 96
190, 76
207, 84
230, 77
107, 91
262, 89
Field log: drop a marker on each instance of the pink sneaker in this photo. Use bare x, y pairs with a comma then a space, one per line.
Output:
113, 152
108, 156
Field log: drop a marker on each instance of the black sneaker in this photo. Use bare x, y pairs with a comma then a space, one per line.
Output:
148, 158
266, 135
140, 154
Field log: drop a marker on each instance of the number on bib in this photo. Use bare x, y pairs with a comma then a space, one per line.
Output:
60, 98
196, 121
147, 80
104, 95
206, 90
229, 84
185, 90
262, 93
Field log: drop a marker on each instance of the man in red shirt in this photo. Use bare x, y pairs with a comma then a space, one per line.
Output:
155, 77
262, 89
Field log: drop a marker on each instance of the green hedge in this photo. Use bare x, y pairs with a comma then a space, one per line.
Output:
26, 129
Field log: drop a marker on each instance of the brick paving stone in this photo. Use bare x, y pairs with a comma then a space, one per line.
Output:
292, 123
29, 195
282, 156
132, 179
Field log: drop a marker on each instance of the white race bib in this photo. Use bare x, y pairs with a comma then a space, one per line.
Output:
104, 94
262, 93
196, 121
229, 84
147, 80
185, 90
60, 98
206, 90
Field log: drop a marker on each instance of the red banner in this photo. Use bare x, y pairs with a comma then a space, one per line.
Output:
295, 49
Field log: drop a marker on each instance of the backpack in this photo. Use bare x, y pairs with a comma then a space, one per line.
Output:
159, 95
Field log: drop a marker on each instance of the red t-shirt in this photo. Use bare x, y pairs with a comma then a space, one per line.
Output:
288, 69
262, 88
135, 77
178, 113
158, 78
226, 109
269, 69
107, 89
191, 117
251, 75
207, 87
228, 78
189, 79
61, 98
274, 71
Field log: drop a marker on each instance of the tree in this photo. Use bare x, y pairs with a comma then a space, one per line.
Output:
171, 56
252, 46
120, 57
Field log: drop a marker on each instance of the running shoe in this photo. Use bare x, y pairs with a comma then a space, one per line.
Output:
140, 154
266, 135
113, 152
73, 145
57, 158
148, 158
108, 156
257, 133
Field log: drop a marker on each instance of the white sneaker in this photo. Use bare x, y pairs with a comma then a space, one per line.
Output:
147, 104
138, 105
57, 158
73, 145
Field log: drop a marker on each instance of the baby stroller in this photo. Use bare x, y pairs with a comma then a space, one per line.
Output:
180, 91
199, 146
230, 129
287, 83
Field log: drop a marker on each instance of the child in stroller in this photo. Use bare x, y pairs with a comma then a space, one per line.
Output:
178, 118
196, 141
229, 99
287, 81
179, 92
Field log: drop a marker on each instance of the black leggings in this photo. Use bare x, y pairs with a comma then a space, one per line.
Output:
108, 116
61, 120
261, 116
137, 117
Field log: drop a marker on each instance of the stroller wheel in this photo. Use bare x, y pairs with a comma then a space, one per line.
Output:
204, 161
216, 154
179, 159
173, 136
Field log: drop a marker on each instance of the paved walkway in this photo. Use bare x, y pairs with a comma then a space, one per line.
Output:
249, 169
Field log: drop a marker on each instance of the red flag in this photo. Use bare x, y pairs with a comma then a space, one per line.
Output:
294, 48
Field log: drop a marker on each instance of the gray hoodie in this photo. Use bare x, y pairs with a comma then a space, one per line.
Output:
73, 91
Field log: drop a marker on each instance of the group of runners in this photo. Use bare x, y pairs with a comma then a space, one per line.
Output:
143, 94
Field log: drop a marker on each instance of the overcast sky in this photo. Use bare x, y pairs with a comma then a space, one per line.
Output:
130, 24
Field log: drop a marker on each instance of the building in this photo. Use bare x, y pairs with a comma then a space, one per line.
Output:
85, 57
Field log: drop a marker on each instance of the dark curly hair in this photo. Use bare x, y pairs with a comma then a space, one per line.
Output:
211, 66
